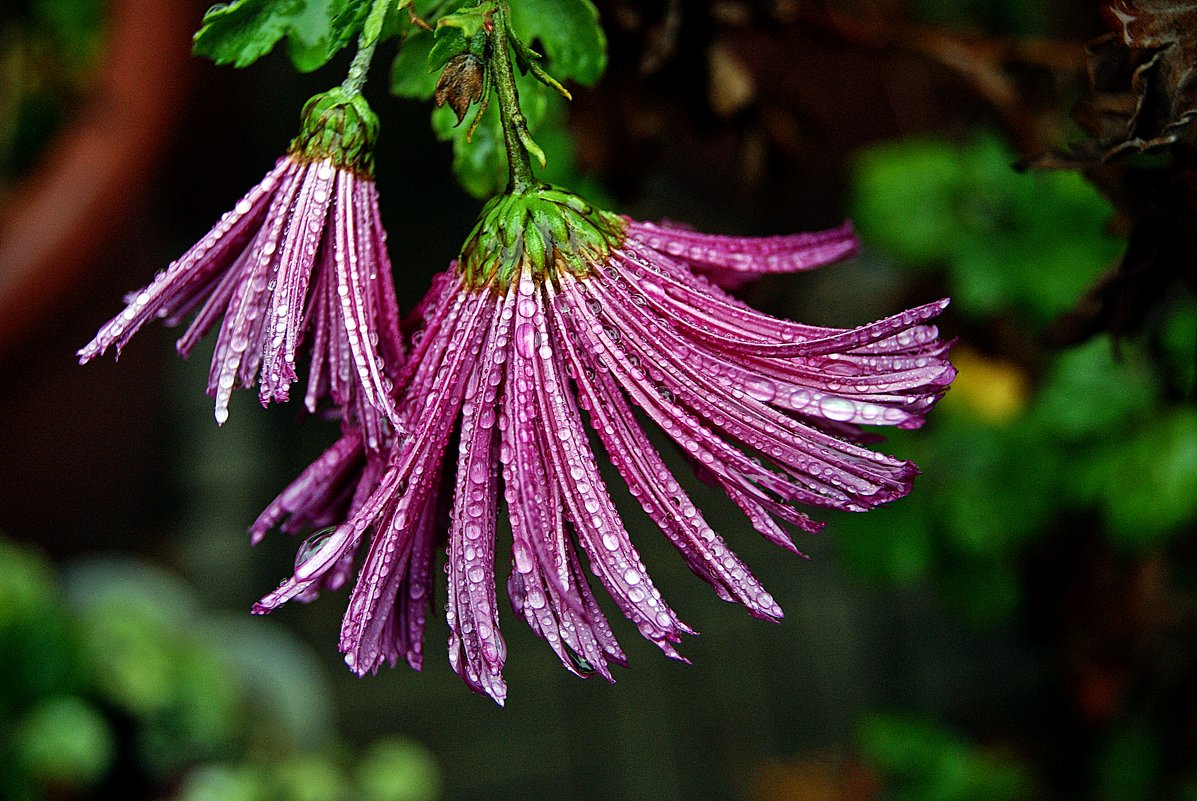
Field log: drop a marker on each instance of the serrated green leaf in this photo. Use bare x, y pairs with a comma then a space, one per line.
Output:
241, 32
569, 35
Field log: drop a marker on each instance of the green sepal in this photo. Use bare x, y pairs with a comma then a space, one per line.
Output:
544, 232
339, 127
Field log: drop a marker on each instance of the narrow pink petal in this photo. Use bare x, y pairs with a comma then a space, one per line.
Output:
384, 306
183, 280
436, 416
833, 473
476, 648
588, 505
238, 350
320, 380
738, 257
353, 266
297, 259
659, 493
417, 470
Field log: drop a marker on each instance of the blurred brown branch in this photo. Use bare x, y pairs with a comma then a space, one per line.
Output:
72, 205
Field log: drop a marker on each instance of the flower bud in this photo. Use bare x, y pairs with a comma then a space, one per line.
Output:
340, 127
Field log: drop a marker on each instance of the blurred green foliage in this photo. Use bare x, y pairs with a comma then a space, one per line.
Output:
1023, 444
48, 50
1011, 243
921, 761
1008, 17
575, 50
116, 678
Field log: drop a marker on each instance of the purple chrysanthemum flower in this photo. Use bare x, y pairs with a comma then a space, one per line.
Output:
555, 307
300, 260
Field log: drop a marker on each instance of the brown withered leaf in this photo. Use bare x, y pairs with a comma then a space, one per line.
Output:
1143, 80
460, 84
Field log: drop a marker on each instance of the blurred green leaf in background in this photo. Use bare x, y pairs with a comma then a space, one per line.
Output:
118, 683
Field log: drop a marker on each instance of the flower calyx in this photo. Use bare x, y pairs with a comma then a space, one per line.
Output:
540, 233
340, 127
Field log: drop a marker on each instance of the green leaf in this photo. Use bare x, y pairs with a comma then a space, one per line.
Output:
410, 75
241, 32
1008, 241
1178, 341
448, 43
398, 769
891, 545
64, 743
904, 199
922, 760
1089, 394
1130, 764
569, 35
413, 73
39, 649
1147, 487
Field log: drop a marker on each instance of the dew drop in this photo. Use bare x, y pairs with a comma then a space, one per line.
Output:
309, 547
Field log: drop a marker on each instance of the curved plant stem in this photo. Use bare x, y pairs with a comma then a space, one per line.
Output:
516, 137
366, 43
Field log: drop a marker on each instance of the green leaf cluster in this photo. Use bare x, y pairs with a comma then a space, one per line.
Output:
50, 50
922, 761
1011, 243
117, 659
392, 769
1091, 436
570, 37
241, 32
1098, 440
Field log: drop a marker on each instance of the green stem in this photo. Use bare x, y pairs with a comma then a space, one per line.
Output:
515, 125
366, 43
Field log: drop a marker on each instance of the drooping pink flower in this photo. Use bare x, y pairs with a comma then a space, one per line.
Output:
555, 308
299, 262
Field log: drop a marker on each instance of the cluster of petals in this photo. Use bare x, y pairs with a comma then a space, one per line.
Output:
768, 410
300, 261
